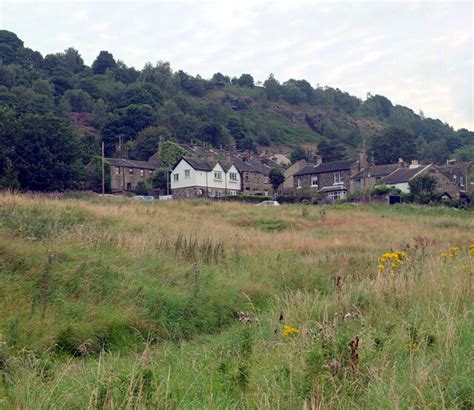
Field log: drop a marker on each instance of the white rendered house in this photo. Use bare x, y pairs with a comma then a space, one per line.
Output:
191, 178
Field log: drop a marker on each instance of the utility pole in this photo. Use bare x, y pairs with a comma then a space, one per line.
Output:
103, 169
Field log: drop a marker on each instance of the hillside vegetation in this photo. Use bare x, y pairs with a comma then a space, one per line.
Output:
57, 99
117, 304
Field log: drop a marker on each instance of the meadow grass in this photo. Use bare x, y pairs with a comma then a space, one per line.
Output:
108, 303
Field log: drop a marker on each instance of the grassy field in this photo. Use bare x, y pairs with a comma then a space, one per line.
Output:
108, 303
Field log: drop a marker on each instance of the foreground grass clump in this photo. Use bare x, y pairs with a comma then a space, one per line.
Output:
114, 304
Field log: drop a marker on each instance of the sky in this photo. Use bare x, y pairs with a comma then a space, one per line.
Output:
418, 54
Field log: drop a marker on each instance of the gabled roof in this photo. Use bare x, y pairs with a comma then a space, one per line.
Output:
403, 175
128, 163
198, 164
253, 165
327, 167
377, 171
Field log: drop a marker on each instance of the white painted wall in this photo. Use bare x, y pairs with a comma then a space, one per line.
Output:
204, 179
403, 186
233, 185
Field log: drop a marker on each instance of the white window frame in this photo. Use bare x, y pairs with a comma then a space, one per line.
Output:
117, 170
187, 173
176, 177
314, 177
337, 178
130, 171
142, 172
218, 175
298, 182
233, 177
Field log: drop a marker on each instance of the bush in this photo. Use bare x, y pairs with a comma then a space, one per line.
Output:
143, 187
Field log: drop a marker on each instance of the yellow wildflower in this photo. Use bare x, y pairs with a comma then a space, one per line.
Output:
290, 330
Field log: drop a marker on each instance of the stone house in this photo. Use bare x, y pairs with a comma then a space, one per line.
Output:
368, 177
125, 174
401, 178
461, 175
254, 175
331, 179
288, 185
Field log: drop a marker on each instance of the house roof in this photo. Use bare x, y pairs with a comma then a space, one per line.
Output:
327, 167
253, 165
377, 171
403, 175
458, 169
199, 164
128, 163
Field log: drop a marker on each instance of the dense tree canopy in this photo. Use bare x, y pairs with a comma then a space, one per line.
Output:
393, 144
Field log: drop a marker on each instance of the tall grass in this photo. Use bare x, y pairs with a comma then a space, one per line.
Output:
183, 305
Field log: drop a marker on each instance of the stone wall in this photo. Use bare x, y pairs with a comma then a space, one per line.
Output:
254, 183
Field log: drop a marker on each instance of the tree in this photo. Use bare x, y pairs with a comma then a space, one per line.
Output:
9, 176
331, 150
94, 177
147, 141
47, 154
393, 144
103, 62
276, 178
160, 179
465, 154
423, 187
143, 187
245, 80
299, 153
170, 153
72, 60
273, 89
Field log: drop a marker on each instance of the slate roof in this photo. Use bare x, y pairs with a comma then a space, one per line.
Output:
128, 163
377, 171
327, 167
403, 175
200, 164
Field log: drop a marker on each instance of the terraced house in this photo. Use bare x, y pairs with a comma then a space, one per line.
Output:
332, 179
125, 174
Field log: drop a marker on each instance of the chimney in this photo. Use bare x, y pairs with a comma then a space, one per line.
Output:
362, 159
414, 163
401, 162
319, 160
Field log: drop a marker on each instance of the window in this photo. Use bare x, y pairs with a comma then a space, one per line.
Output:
298, 182
150, 172
461, 181
218, 175
142, 172
266, 180
233, 176
246, 177
175, 177
336, 195
187, 173
130, 171
314, 181
337, 178
129, 186
233, 192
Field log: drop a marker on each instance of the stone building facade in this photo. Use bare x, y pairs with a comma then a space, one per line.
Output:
125, 174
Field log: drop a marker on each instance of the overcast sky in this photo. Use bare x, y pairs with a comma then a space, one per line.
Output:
416, 54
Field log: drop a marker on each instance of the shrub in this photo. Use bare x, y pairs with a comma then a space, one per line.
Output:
143, 187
